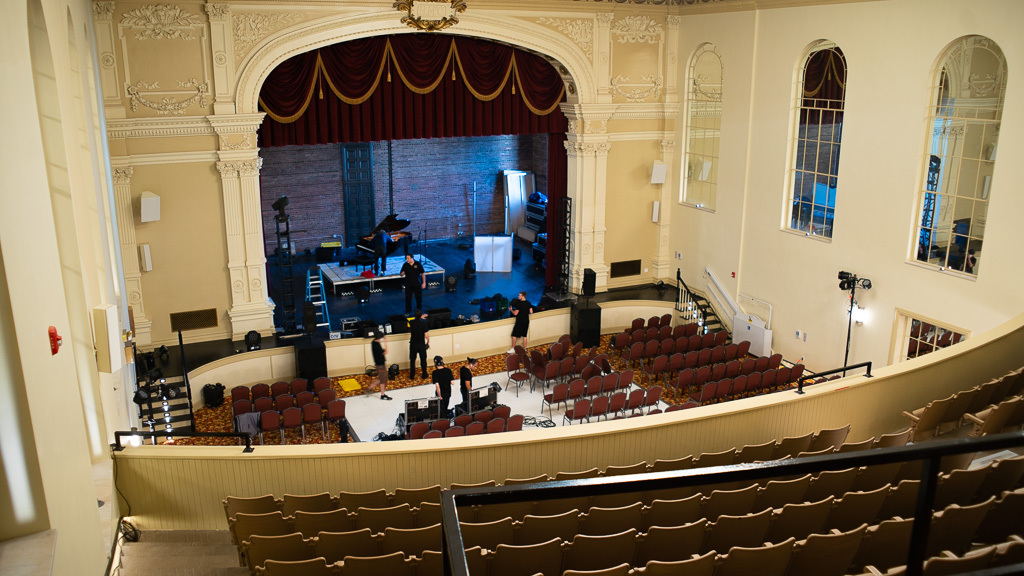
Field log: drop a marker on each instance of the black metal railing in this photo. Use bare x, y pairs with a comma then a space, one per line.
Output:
118, 435
686, 303
930, 453
800, 382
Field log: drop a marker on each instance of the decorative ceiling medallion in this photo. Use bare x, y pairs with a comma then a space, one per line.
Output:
430, 15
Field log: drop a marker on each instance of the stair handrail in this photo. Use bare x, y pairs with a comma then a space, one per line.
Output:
118, 434
728, 301
808, 377
691, 298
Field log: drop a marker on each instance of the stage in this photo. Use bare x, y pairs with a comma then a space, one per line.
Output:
369, 416
338, 275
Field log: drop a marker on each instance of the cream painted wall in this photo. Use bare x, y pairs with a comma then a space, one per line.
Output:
36, 296
631, 196
881, 166
187, 245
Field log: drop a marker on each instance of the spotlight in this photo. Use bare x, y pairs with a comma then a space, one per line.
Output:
163, 353
845, 275
451, 283
141, 395
279, 205
865, 283
154, 375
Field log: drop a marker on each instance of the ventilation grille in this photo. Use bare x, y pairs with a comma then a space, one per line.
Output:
624, 268
193, 320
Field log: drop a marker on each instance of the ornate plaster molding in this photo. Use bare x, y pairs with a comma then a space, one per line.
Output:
123, 175
655, 2
637, 30
637, 94
580, 31
605, 17
167, 158
622, 111
217, 11
158, 127
240, 167
658, 135
168, 105
430, 15
161, 22
667, 145
249, 28
587, 148
246, 142
103, 11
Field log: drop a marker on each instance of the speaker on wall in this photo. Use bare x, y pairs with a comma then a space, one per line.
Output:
589, 282
658, 172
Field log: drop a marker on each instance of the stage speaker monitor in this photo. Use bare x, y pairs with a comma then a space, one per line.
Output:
589, 282
439, 318
658, 172
311, 359
309, 317
585, 324
363, 294
451, 283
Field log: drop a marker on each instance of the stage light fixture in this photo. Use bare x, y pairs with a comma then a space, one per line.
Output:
865, 283
163, 353
280, 205
843, 275
141, 395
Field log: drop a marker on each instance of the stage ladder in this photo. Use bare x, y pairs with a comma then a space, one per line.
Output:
315, 295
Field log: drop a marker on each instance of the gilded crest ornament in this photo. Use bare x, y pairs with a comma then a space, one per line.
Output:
430, 15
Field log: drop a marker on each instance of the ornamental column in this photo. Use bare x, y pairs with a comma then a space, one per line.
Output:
587, 148
251, 308
662, 264
130, 254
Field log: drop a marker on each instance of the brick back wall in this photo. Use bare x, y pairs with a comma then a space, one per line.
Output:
310, 176
432, 178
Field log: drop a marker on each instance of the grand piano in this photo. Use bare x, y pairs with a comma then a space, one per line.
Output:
395, 237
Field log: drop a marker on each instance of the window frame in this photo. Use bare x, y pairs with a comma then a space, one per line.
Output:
711, 106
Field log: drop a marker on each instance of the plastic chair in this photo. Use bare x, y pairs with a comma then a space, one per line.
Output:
323, 502
312, 567
695, 566
313, 523
357, 500
604, 521
600, 552
671, 513
411, 541
856, 508
487, 535
333, 546
769, 560
799, 520
378, 519
390, 564
416, 496
542, 558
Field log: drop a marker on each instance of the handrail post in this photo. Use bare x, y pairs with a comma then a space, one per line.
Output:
917, 551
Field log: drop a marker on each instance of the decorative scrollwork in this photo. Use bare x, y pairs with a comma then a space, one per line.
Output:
245, 143
123, 175
637, 30
216, 11
637, 94
580, 31
431, 15
103, 11
161, 21
248, 29
168, 105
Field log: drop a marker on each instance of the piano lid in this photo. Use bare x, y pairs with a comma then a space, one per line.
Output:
392, 223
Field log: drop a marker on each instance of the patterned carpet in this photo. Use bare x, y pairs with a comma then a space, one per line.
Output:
219, 419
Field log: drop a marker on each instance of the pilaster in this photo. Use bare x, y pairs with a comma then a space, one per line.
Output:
603, 71
106, 41
672, 59
662, 263
130, 254
223, 64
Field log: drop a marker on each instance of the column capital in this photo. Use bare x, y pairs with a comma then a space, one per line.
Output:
217, 11
123, 174
103, 11
585, 148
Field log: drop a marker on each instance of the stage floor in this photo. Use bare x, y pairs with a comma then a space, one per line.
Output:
339, 275
369, 416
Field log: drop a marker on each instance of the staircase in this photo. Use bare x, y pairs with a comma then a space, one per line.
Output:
695, 308
181, 552
167, 414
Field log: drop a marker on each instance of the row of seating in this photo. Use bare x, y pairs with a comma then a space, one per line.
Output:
294, 387
539, 369
656, 322
995, 556
710, 389
601, 406
295, 418
283, 401
334, 547
494, 426
442, 425
638, 355
973, 405
632, 335
679, 550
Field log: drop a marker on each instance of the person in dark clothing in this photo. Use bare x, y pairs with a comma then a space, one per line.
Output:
521, 309
442, 378
415, 282
419, 341
379, 347
380, 250
466, 381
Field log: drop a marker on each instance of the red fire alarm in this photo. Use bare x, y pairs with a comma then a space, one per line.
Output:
55, 340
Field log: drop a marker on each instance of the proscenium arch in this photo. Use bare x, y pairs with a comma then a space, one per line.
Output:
322, 33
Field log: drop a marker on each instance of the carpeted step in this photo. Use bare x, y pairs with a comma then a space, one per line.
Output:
181, 552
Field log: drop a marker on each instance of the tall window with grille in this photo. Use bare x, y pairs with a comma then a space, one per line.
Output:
703, 128
963, 132
814, 177
920, 336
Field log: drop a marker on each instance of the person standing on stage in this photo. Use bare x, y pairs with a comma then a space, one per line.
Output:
379, 347
442, 378
521, 309
419, 341
380, 250
466, 381
415, 282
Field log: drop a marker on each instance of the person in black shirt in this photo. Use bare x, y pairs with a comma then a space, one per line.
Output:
379, 347
419, 341
466, 381
521, 309
415, 282
380, 250
442, 378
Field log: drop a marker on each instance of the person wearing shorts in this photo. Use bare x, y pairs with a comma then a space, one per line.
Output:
379, 347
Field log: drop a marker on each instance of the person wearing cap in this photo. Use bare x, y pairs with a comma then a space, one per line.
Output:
466, 381
442, 378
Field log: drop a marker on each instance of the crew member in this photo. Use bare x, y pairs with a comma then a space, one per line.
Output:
521, 310
380, 250
466, 381
379, 347
442, 378
415, 282
419, 341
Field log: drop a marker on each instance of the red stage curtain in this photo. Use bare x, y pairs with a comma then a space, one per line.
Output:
557, 167
410, 86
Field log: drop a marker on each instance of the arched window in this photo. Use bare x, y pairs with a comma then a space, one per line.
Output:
703, 128
963, 132
821, 94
